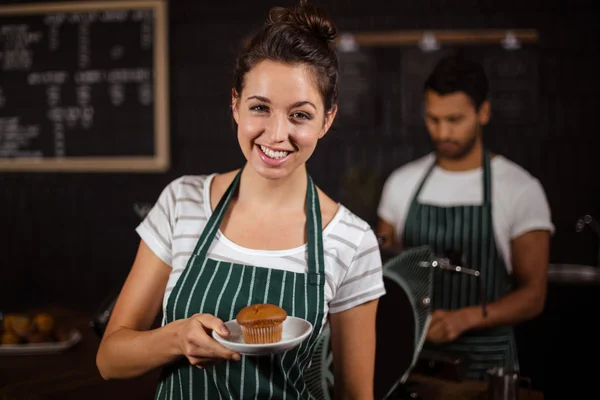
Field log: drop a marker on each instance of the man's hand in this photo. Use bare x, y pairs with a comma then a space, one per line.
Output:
446, 326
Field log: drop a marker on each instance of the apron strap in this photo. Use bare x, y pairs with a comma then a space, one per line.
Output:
420, 187
487, 178
213, 224
316, 260
314, 230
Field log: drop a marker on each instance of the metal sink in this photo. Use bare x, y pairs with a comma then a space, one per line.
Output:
574, 274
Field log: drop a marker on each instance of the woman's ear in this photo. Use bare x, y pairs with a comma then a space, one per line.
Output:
329, 118
234, 105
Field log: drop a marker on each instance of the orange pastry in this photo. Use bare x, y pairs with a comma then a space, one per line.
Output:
7, 322
44, 323
261, 323
9, 338
20, 324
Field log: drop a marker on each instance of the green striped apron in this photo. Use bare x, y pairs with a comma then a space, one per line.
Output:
222, 289
466, 230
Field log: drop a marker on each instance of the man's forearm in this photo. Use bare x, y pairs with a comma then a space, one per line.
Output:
521, 305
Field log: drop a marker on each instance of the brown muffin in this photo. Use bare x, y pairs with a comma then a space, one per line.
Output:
20, 324
9, 338
261, 323
44, 323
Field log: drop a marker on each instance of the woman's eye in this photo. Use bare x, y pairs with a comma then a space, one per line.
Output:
259, 108
301, 115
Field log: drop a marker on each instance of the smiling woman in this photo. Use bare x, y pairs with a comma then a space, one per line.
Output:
263, 234
285, 90
281, 119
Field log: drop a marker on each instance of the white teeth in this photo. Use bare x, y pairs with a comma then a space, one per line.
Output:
274, 154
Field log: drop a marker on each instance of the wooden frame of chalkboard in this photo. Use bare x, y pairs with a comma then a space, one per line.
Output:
140, 134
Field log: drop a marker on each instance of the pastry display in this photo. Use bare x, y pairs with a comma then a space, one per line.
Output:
22, 328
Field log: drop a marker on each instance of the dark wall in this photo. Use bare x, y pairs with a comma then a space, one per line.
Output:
69, 238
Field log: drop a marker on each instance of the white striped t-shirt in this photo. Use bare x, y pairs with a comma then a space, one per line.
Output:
352, 261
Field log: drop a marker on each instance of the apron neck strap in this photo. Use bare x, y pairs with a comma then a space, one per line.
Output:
487, 180
214, 222
316, 262
314, 230
422, 183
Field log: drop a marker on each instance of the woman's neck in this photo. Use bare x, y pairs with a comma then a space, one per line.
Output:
261, 193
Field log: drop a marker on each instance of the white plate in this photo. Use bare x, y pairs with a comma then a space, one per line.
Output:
41, 348
295, 330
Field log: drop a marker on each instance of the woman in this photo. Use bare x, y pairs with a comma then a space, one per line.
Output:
262, 234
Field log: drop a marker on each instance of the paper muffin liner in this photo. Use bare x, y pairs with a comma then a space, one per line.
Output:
262, 335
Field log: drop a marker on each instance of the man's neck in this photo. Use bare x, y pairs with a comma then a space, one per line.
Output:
471, 160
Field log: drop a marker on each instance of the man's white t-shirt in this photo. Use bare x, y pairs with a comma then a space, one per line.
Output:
353, 271
519, 204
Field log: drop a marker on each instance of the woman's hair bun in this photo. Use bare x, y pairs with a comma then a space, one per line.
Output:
306, 17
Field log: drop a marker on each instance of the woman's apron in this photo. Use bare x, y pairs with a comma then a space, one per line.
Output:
222, 289
466, 230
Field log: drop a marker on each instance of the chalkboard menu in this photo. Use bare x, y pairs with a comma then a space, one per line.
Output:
83, 87
357, 97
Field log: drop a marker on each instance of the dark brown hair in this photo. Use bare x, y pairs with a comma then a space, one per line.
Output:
456, 73
297, 35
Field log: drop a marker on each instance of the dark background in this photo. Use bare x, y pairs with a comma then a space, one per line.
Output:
69, 239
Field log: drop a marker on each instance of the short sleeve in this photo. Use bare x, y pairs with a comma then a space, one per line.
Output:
156, 230
364, 280
530, 211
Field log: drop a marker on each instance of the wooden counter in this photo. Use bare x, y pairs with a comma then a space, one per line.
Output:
430, 388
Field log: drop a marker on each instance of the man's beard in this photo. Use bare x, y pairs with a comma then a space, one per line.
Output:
458, 150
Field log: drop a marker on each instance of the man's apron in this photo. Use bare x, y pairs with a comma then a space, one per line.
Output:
222, 289
466, 230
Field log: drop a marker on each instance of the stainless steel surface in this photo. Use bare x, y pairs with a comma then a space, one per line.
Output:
594, 225
574, 273
443, 263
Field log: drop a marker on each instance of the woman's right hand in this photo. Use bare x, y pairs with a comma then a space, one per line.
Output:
197, 344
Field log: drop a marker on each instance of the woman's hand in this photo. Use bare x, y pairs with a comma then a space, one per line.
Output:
197, 344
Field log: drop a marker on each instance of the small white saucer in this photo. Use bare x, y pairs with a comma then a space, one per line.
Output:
295, 330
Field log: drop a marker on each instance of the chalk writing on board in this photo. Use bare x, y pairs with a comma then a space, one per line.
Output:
16, 54
79, 72
13, 135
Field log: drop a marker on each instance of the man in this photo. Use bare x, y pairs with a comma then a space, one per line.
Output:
480, 210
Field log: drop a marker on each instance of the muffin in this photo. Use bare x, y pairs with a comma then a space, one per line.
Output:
19, 324
9, 338
261, 323
44, 323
